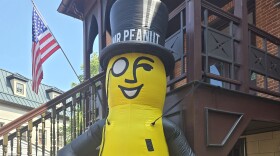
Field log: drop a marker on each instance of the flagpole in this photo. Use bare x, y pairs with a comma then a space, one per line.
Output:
35, 7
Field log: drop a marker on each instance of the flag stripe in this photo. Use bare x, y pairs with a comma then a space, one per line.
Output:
47, 47
37, 58
44, 34
50, 53
38, 69
46, 39
43, 46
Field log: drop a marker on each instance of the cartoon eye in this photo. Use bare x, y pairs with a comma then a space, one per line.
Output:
119, 66
146, 66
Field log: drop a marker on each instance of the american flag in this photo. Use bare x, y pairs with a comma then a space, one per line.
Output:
43, 46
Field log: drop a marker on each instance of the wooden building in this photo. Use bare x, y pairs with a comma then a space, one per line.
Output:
227, 75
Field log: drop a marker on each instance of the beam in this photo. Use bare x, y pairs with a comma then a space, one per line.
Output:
193, 30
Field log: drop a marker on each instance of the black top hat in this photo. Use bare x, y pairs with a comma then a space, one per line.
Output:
138, 26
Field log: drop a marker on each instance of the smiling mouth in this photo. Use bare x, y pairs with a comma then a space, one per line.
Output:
130, 93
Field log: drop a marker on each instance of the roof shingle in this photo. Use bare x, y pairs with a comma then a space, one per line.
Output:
31, 100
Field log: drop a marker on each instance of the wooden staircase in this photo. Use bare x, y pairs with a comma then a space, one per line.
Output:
62, 119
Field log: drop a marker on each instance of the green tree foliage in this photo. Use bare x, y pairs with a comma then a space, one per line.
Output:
94, 68
70, 125
94, 65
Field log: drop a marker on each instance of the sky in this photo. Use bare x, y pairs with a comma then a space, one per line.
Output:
16, 40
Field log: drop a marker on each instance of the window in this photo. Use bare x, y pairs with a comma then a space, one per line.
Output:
19, 88
239, 148
214, 70
1, 124
222, 70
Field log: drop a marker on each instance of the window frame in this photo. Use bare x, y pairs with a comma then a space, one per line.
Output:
23, 88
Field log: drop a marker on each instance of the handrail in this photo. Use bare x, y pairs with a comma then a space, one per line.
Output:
265, 91
221, 78
177, 10
40, 110
177, 79
36, 122
264, 34
267, 58
220, 12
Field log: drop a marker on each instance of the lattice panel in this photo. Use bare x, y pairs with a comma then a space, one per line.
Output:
175, 43
273, 67
264, 63
257, 61
219, 46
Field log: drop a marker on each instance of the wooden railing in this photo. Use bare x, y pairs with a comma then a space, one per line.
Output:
223, 50
264, 63
219, 39
44, 130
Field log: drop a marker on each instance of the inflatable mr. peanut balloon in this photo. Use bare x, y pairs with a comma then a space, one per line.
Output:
136, 64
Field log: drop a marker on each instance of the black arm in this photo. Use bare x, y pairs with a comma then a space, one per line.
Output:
85, 144
176, 141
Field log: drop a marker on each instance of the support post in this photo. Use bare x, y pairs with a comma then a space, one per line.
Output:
193, 30
86, 52
18, 142
240, 10
43, 134
5, 145
29, 134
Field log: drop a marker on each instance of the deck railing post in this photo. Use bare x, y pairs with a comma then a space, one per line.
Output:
57, 132
93, 102
193, 30
74, 127
5, 145
36, 140
29, 135
53, 136
104, 100
87, 108
43, 133
12, 146
64, 124
242, 49
18, 142
194, 54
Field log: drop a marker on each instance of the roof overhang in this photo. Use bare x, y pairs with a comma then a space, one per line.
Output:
54, 89
17, 76
75, 8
